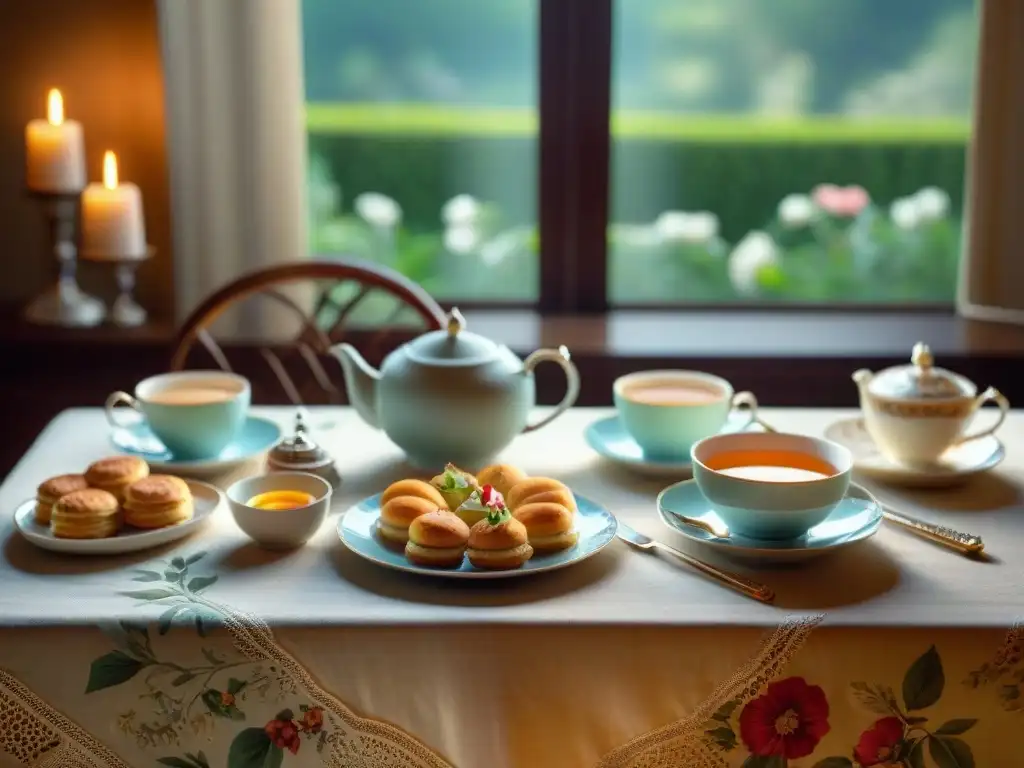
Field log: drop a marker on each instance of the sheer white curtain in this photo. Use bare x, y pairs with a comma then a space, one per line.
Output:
237, 141
992, 269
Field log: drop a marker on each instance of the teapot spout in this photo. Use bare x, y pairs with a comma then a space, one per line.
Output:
360, 382
862, 377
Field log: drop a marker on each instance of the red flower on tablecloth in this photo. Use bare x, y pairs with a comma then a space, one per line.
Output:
788, 719
284, 734
313, 720
880, 743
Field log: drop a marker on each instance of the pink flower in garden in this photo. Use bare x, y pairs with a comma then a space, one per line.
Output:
846, 202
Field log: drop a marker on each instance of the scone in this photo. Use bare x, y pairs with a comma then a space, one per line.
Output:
454, 485
417, 488
51, 490
501, 476
87, 514
157, 501
116, 474
549, 526
499, 542
534, 490
437, 539
397, 515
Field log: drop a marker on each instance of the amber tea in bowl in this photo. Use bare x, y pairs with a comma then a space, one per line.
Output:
771, 485
280, 510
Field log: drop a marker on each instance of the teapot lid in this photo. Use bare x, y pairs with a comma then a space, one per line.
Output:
453, 346
299, 451
920, 380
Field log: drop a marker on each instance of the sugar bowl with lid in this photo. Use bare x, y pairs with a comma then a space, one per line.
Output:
915, 413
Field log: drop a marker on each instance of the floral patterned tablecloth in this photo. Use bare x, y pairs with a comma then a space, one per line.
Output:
212, 653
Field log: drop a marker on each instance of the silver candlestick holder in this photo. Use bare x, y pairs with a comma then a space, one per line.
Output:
64, 303
125, 312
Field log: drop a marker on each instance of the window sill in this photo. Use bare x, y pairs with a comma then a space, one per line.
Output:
751, 334
787, 357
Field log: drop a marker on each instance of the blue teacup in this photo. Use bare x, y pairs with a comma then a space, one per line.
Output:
770, 485
666, 412
195, 414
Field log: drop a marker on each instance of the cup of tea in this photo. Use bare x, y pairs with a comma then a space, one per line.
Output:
771, 485
195, 414
666, 412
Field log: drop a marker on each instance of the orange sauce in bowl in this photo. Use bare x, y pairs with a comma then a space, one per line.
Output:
281, 500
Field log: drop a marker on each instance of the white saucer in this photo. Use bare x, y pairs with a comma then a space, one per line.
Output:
857, 517
257, 436
956, 465
205, 497
609, 438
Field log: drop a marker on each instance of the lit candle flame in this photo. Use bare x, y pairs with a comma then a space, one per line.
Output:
55, 107
109, 170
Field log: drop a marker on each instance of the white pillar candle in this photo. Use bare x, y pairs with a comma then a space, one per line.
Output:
112, 223
55, 151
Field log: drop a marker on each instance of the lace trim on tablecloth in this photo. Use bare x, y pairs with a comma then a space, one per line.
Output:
37, 735
356, 742
681, 744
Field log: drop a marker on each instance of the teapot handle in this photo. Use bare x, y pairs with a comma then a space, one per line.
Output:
572, 381
989, 395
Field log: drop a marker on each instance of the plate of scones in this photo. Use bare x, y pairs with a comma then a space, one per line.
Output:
497, 523
115, 506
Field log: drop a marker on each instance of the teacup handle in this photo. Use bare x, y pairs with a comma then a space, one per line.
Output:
989, 395
746, 401
116, 399
572, 381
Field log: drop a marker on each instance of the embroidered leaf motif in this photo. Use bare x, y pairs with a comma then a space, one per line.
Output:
877, 699
235, 685
172, 576
955, 727
212, 657
725, 711
285, 714
150, 594
765, 761
924, 681
183, 678
252, 748
834, 762
178, 562
167, 617
948, 752
112, 669
916, 757
723, 737
148, 576
199, 583
192, 560
200, 758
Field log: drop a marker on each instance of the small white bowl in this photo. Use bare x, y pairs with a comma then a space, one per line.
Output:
280, 528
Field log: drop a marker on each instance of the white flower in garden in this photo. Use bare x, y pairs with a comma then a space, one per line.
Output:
461, 239
932, 204
461, 210
635, 235
378, 210
905, 212
685, 227
504, 246
796, 211
752, 254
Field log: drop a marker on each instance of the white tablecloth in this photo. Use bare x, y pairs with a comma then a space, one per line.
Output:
549, 687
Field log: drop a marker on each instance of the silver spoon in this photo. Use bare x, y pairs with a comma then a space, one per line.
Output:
741, 584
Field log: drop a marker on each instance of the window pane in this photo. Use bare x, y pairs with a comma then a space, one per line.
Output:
422, 137
789, 150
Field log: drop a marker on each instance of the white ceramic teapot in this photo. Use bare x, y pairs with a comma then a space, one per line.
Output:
915, 413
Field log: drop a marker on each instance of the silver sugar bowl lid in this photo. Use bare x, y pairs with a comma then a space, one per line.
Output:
300, 453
